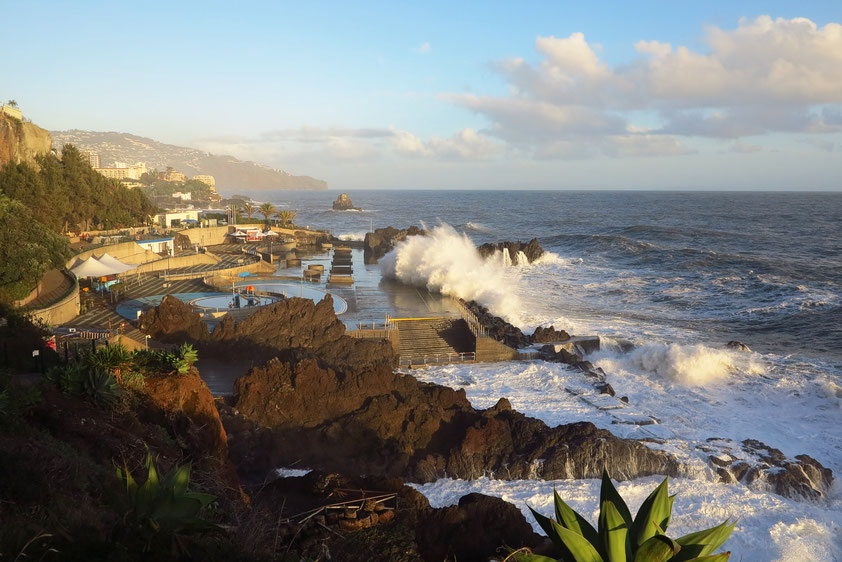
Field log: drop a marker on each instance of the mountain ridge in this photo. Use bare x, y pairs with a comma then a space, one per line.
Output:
231, 174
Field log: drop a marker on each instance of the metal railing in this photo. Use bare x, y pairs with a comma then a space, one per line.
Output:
470, 318
437, 359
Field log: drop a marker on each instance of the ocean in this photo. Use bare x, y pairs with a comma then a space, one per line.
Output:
677, 274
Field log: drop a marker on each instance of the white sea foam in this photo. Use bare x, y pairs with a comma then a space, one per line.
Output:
769, 528
477, 227
689, 364
448, 262
358, 236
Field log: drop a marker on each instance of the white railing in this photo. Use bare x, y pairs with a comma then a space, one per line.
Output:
436, 359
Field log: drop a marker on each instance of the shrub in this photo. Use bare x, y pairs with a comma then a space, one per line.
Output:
619, 538
111, 358
164, 508
101, 387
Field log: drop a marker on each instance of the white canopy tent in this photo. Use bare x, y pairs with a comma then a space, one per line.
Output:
105, 265
112, 262
91, 268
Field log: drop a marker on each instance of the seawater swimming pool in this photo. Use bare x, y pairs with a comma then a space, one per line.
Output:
130, 309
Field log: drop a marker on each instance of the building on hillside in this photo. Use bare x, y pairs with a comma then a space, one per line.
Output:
206, 179
171, 219
13, 112
122, 171
92, 157
159, 245
172, 175
183, 196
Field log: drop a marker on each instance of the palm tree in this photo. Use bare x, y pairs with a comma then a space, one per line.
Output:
12, 103
267, 210
286, 216
248, 209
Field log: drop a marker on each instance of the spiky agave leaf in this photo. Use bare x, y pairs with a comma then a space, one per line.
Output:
547, 525
721, 557
578, 546
570, 519
658, 548
703, 543
654, 514
608, 492
613, 533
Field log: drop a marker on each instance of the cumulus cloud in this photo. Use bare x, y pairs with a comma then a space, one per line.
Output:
765, 76
423, 48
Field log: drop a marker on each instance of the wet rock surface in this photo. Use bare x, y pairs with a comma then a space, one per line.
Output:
498, 328
380, 242
760, 466
532, 249
550, 334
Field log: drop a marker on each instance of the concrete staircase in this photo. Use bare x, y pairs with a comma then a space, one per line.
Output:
434, 341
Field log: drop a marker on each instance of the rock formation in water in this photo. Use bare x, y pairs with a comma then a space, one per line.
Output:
498, 328
532, 250
756, 464
380, 242
343, 203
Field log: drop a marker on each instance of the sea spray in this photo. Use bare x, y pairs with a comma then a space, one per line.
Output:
694, 365
448, 262
353, 236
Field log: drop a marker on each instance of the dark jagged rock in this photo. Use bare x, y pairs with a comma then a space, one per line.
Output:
378, 243
498, 328
738, 345
545, 335
173, 321
532, 249
290, 326
343, 203
474, 530
374, 421
758, 465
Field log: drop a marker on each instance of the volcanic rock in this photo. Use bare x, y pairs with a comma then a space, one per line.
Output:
474, 530
343, 203
738, 345
498, 328
531, 249
545, 335
289, 326
374, 421
760, 466
380, 242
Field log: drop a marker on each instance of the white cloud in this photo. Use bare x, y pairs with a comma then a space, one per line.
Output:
423, 48
765, 76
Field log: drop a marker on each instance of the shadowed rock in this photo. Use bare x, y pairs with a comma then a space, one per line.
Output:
532, 249
378, 243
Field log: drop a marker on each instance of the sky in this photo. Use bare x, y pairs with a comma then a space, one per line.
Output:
450, 95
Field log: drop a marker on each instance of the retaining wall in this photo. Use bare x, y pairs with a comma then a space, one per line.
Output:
62, 311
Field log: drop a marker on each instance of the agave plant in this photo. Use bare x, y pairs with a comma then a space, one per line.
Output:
621, 538
165, 506
112, 358
101, 387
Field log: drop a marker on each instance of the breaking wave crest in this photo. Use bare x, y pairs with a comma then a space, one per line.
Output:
694, 365
448, 262
353, 236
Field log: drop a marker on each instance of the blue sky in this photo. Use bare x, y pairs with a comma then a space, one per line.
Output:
449, 95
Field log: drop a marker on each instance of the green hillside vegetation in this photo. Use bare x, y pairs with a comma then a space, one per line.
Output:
38, 206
